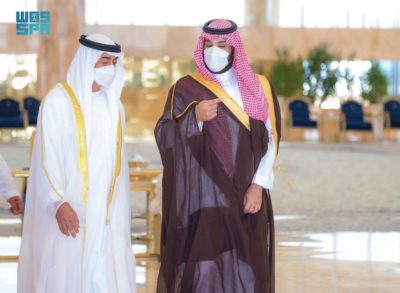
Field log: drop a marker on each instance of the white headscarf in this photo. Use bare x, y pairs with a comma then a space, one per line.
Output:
80, 78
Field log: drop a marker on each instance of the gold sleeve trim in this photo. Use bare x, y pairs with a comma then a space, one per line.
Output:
172, 101
187, 108
271, 108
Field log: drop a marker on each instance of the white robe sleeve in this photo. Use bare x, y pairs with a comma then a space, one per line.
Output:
52, 153
264, 175
200, 124
8, 188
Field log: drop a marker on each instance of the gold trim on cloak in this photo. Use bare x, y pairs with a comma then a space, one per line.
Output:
228, 101
172, 101
81, 139
83, 163
117, 166
82, 160
82, 146
271, 108
187, 108
234, 107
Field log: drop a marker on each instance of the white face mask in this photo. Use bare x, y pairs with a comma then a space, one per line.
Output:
215, 58
104, 76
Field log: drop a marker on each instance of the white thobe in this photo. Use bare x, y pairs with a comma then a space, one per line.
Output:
100, 163
100, 258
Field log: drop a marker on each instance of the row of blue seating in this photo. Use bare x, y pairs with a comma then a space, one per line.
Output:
352, 111
11, 115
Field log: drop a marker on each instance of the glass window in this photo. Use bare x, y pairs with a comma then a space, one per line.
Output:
391, 69
339, 13
18, 74
161, 12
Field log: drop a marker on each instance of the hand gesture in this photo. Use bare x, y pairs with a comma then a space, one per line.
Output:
206, 110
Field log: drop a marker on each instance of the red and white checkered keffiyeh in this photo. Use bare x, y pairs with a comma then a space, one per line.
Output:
250, 87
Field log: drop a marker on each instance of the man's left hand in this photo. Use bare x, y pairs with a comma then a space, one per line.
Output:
253, 199
17, 206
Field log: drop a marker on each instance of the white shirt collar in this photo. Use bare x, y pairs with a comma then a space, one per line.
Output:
227, 78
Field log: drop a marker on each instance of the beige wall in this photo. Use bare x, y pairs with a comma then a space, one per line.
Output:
260, 41
56, 51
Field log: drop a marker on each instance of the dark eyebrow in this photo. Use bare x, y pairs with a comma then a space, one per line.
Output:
106, 57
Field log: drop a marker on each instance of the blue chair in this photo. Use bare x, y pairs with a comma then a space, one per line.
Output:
392, 113
32, 105
353, 117
10, 114
300, 114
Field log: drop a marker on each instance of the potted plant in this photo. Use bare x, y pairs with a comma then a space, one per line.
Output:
375, 89
374, 84
287, 75
321, 73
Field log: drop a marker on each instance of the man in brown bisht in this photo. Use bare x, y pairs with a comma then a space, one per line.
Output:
218, 137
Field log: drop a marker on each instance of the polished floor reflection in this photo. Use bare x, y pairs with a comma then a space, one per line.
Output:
338, 262
353, 246
313, 263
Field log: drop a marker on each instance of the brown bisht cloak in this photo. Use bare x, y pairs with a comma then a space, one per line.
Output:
208, 244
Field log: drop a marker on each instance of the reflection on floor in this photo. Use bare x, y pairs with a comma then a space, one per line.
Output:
338, 262
312, 263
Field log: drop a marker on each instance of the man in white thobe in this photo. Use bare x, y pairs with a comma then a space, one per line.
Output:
76, 235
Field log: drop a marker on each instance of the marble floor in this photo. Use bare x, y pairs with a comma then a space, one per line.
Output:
337, 262
337, 218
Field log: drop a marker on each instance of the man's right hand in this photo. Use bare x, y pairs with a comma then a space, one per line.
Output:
207, 110
67, 220
17, 206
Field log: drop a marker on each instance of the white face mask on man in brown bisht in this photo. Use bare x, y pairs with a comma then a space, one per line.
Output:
216, 59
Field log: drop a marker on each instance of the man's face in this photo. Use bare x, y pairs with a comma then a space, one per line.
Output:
106, 59
220, 43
